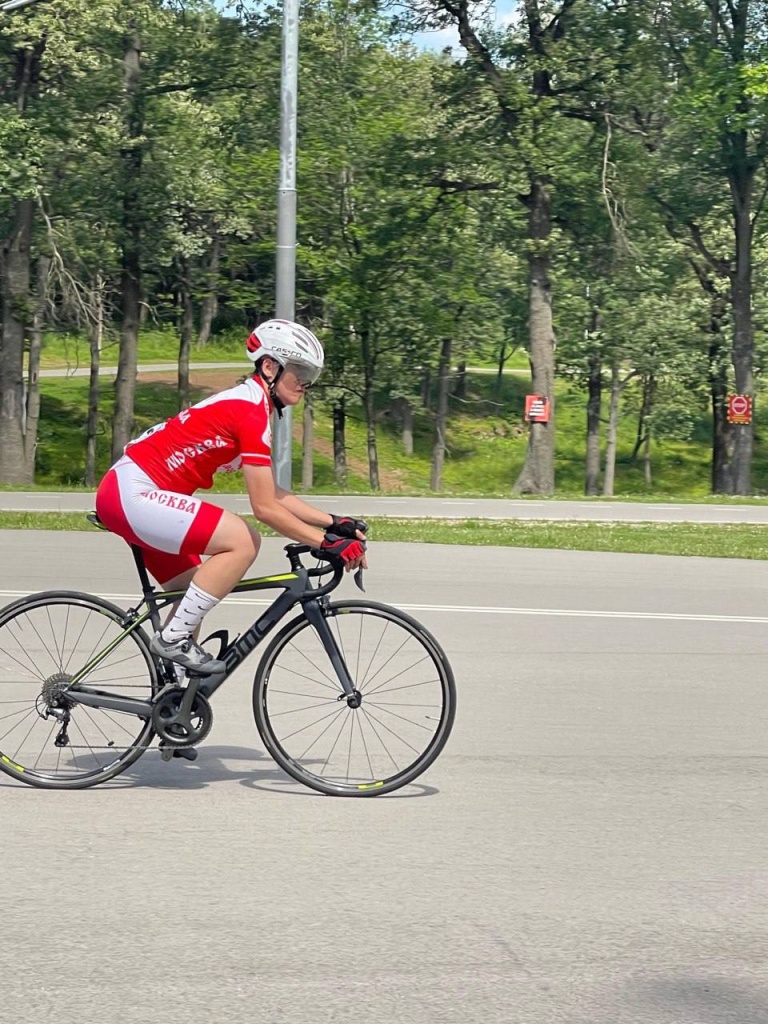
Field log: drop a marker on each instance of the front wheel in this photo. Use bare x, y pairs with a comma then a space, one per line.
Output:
383, 738
47, 738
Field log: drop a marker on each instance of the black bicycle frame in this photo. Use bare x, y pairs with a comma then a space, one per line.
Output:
297, 590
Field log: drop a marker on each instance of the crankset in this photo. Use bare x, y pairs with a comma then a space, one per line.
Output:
182, 718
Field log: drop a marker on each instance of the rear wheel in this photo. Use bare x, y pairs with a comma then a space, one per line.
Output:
46, 738
384, 737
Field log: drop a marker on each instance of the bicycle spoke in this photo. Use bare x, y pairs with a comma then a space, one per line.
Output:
395, 732
338, 736
8, 732
12, 714
16, 754
325, 730
384, 747
76, 644
387, 729
45, 743
47, 642
305, 707
403, 719
314, 666
395, 676
365, 746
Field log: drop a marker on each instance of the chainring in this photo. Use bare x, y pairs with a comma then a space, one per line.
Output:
176, 729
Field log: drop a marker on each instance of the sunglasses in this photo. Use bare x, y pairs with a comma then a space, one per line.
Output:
305, 375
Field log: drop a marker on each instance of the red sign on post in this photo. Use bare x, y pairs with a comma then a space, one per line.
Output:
739, 409
536, 409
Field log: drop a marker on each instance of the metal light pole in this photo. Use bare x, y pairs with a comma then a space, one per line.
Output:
285, 297
13, 5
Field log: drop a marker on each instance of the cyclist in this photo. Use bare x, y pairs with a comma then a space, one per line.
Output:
148, 496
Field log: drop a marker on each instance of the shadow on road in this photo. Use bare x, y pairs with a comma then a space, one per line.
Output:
248, 767
687, 999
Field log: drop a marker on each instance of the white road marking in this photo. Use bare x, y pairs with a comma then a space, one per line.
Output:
582, 613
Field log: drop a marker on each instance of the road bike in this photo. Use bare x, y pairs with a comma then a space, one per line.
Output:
350, 697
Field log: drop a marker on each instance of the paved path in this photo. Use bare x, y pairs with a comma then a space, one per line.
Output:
242, 364
589, 849
447, 508
106, 371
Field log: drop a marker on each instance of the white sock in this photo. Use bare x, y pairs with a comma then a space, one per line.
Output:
194, 606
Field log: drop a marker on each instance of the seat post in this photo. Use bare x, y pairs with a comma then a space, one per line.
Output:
138, 557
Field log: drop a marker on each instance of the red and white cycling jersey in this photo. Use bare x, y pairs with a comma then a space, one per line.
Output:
222, 433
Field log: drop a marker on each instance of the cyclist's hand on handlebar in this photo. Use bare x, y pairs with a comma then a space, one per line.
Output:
348, 526
350, 550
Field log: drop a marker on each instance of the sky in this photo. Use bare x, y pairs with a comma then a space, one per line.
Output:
438, 40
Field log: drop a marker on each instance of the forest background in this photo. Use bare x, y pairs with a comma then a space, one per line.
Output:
569, 202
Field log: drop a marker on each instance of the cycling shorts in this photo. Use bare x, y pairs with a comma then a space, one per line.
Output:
172, 529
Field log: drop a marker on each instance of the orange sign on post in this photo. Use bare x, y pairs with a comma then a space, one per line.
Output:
536, 409
739, 409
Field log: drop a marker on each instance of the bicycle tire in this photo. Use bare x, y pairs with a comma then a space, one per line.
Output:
45, 639
367, 624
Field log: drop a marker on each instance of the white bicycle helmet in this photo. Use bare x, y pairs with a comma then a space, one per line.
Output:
288, 343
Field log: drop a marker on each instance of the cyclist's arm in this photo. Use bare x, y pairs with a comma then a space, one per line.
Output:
302, 510
272, 511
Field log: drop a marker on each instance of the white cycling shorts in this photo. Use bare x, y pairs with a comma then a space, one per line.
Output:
173, 529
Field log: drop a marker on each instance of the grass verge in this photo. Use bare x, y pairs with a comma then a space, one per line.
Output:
718, 540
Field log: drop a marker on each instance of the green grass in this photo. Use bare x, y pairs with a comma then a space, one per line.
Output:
487, 443
704, 540
155, 346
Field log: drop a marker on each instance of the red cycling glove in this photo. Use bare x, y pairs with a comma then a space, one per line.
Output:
345, 548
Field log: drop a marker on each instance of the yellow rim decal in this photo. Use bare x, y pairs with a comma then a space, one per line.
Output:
371, 785
7, 760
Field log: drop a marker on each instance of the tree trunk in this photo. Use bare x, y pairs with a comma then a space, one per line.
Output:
538, 472
722, 478
594, 409
743, 335
647, 468
132, 154
441, 419
32, 404
16, 311
644, 415
500, 368
370, 423
460, 385
407, 426
17, 317
644, 429
307, 443
95, 339
186, 330
339, 441
612, 433
369, 373
210, 303
426, 387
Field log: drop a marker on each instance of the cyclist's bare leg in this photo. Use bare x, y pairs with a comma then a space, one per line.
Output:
231, 550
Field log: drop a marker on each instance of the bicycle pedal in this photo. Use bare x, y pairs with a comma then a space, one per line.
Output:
189, 753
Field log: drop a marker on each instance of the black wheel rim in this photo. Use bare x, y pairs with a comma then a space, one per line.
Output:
44, 735
403, 689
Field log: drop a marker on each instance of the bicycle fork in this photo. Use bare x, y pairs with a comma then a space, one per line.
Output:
315, 617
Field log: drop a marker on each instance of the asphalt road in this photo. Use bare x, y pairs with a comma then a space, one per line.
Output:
589, 848
450, 508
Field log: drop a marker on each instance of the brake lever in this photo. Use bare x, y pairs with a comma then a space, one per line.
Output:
359, 579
